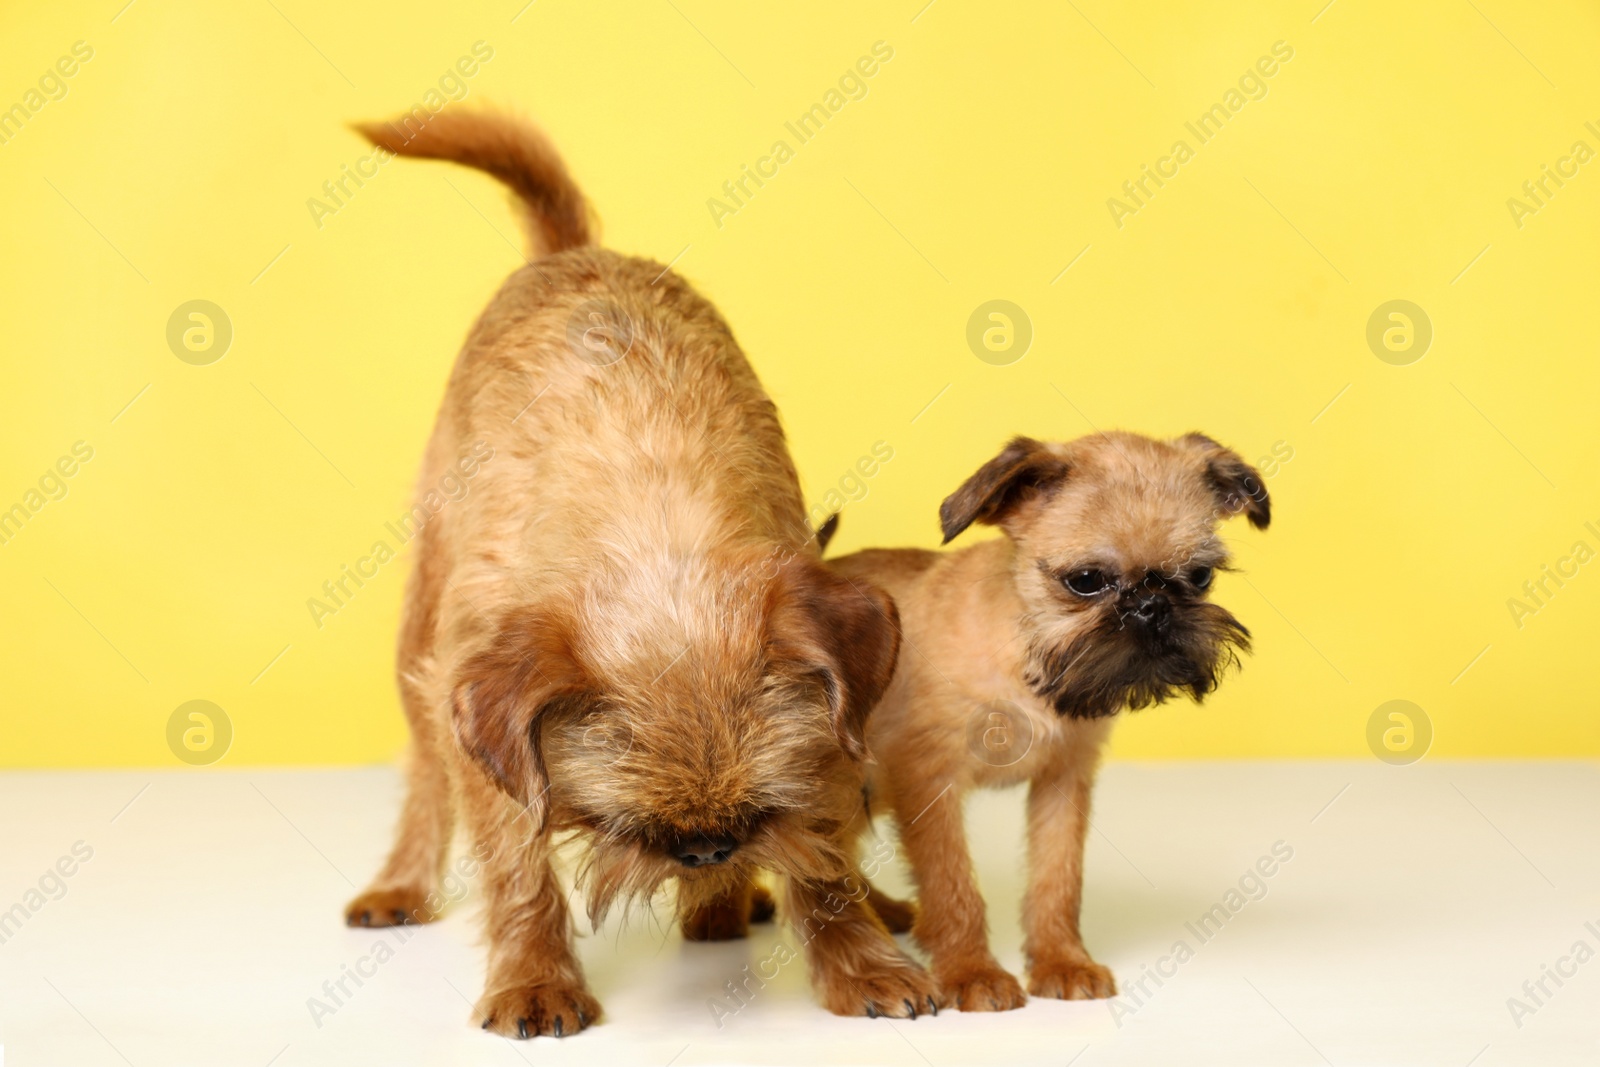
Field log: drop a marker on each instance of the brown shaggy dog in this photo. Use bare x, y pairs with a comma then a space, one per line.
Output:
1016, 654
623, 630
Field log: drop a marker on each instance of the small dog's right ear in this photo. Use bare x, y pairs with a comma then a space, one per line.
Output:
1237, 486
1023, 468
502, 696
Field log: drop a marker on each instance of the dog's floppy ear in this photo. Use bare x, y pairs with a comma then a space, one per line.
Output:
1236, 485
1023, 469
503, 694
845, 633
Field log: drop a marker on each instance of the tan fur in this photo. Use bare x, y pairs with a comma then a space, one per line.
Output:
623, 631
967, 708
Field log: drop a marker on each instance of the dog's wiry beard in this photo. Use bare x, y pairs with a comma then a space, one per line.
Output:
621, 869
618, 870
1110, 665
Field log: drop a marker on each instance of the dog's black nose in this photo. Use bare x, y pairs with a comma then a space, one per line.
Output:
700, 851
1150, 610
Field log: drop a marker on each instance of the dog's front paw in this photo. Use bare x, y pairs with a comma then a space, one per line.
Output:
983, 988
1071, 980
555, 1008
903, 991
390, 906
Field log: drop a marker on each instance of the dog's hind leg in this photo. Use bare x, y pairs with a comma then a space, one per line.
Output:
897, 915
406, 890
729, 917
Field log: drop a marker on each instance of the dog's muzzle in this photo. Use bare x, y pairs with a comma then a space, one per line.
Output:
1147, 610
704, 851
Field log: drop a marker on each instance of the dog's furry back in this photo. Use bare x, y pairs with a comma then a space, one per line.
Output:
623, 450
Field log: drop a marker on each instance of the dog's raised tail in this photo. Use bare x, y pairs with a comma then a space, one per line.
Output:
509, 149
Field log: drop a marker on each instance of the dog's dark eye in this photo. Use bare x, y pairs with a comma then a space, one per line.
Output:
1085, 582
1200, 577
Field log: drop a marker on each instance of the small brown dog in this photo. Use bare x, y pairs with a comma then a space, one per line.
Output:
625, 630
1017, 652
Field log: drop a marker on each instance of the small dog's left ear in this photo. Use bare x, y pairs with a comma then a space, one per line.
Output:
844, 633
1024, 467
1237, 485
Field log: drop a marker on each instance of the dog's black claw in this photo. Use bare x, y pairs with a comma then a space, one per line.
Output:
583, 1020
486, 1024
932, 1006
558, 1026
399, 917
366, 918
995, 1004
872, 1010
910, 1007
522, 1029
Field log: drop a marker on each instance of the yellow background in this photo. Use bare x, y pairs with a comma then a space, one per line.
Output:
1378, 166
